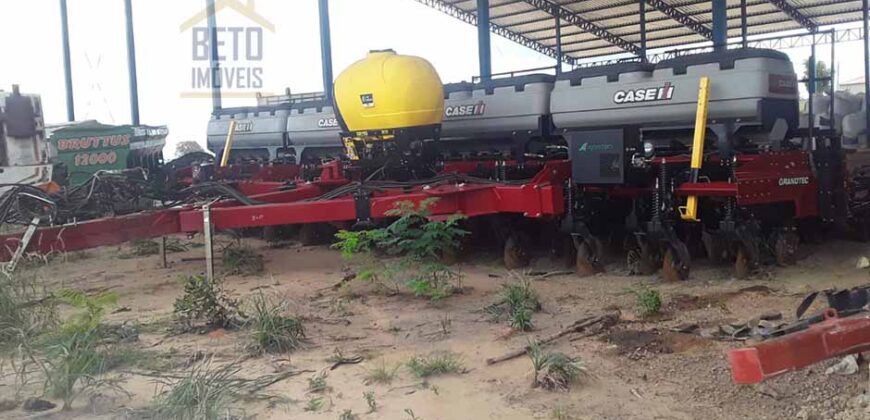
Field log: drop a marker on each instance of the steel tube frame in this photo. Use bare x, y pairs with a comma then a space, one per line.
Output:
558, 43
484, 48
131, 64
215, 65
744, 29
866, 10
720, 24
325, 47
67, 62
642, 7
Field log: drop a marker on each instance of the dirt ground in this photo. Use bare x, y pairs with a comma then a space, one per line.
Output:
641, 369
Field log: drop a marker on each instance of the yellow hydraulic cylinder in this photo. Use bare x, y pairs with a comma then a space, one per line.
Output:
228, 146
690, 211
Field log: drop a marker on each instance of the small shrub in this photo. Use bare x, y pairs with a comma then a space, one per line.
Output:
417, 244
369, 396
554, 371
317, 383
382, 374
439, 363
205, 301
240, 259
348, 415
516, 302
314, 404
648, 301
74, 362
274, 332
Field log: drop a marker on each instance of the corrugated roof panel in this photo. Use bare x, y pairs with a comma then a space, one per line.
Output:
621, 18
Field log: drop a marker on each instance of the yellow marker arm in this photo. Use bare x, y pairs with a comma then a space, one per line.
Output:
690, 211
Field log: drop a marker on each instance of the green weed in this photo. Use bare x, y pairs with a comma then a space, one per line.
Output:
648, 301
205, 301
438, 363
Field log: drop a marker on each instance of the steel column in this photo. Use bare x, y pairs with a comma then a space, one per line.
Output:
213, 56
558, 43
744, 30
720, 24
642, 4
67, 66
325, 48
131, 64
866, 8
484, 50
811, 90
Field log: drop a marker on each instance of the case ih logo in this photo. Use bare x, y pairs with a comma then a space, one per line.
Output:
664, 93
244, 126
327, 123
465, 110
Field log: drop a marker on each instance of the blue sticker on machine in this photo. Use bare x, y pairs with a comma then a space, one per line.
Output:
367, 99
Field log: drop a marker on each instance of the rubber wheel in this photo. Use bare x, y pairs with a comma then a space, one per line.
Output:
515, 255
785, 248
589, 258
675, 268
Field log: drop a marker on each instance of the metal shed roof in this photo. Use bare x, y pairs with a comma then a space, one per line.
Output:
595, 28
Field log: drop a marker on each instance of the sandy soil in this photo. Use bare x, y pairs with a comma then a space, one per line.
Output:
642, 371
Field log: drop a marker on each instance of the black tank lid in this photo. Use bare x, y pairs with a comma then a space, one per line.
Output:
612, 71
725, 58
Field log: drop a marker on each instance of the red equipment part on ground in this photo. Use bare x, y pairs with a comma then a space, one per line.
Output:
833, 337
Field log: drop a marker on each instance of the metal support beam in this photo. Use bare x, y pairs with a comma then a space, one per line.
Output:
795, 14
484, 50
500, 30
213, 56
682, 18
720, 24
744, 28
131, 64
325, 48
866, 34
587, 26
642, 4
558, 44
67, 66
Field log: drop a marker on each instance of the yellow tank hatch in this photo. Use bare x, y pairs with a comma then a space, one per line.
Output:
388, 91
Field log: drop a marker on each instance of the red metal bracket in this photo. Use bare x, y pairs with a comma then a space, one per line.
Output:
833, 337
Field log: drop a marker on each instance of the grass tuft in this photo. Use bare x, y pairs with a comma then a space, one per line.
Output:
274, 332
555, 371
382, 374
437, 363
516, 302
204, 392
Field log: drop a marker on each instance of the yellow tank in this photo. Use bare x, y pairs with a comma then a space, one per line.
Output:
387, 91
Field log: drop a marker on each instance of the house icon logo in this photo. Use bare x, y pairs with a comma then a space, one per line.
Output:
247, 10
240, 49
